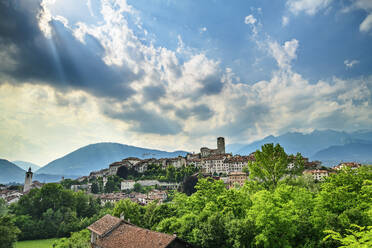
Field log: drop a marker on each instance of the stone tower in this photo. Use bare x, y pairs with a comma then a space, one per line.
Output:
28, 180
221, 145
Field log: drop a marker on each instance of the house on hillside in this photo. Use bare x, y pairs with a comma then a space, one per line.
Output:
351, 165
113, 232
237, 178
215, 164
317, 175
237, 163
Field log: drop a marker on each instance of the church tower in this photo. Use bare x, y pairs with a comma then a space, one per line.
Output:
221, 145
28, 180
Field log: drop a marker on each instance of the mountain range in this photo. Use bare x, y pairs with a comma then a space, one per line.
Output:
10, 172
25, 165
328, 146
98, 156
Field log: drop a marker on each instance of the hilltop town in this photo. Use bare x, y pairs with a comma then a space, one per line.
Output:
110, 185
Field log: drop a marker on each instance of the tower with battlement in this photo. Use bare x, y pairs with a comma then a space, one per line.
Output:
206, 152
28, 180
221, 145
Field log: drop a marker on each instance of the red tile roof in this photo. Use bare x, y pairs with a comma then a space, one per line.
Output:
130, 236
104, 225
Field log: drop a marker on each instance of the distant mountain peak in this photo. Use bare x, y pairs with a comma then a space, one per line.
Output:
97, 156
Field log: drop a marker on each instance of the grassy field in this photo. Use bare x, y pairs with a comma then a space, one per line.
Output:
41, 243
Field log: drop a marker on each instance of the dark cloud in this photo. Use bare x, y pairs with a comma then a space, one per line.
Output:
202, 112
61, 61
246, 120
144, 121
335, 120
212, 85
153, 93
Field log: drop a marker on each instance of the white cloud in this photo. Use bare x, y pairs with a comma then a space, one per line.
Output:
45, 17
350, 63
285, 21
250, 19
202, 30
366, 25
284, 54
310, 7
365, 5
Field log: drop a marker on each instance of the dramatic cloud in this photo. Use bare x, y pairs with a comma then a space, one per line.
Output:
144, 121
59, 60
111, 80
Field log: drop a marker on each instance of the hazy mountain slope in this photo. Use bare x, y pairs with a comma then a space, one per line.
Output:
10, 172
25, 165
346, 153
98, 156
309, 144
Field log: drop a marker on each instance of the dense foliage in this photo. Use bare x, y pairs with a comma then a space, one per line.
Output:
156, 172
53, 211
295, 213
8, 232
77, 240
358, 237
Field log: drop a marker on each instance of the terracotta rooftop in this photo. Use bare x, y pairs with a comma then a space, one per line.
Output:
215, 157
130, 236
239, 159
104, 225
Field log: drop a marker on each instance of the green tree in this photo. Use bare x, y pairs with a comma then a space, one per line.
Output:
137, 187
282, 217
8, 232
344, 199
271, 165
113, 184
77, 240
3, 207
95, 188
358, 237
53, 211
130, 210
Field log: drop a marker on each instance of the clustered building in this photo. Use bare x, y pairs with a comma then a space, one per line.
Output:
319, 174
208, 160
154, 195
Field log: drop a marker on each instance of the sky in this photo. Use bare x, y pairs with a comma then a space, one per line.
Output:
174, 75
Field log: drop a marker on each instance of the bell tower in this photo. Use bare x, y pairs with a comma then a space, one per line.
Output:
28, 180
